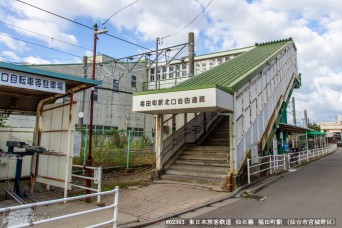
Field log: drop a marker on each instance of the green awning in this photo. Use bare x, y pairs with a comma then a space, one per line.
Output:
316, 133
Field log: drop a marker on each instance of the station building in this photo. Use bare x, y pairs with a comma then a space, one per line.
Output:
222, 116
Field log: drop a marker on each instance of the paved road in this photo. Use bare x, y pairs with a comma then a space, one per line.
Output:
313, 191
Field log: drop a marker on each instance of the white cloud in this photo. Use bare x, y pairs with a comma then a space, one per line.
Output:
10, 55
35, 60
316, 27
13, 44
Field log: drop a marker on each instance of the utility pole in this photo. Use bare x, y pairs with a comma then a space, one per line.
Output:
306, 118
84, 75
90, 158
294, 111
191, 55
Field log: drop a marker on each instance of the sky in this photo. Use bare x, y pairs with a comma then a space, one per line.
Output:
37, 37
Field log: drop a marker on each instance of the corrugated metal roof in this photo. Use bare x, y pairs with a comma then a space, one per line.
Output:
236, 72
233, 74
17, 100
46, 73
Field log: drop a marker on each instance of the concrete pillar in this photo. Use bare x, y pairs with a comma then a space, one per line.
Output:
232, 152
280, 138
191, 54
159, 141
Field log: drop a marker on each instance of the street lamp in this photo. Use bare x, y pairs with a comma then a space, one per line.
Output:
90, 158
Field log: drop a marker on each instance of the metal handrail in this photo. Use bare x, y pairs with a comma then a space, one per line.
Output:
32, 206
181, 135
287, 162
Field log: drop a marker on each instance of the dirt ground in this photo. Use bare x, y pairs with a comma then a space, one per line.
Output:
122, 177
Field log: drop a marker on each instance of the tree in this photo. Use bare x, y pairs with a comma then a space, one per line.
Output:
314, 126
3, 119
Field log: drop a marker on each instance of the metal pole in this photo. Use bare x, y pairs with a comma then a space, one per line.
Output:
85, 148
116, 207
128, 147
156, 70
90, 158
84, 74
294, 110
99, 183
68, 149
248, 171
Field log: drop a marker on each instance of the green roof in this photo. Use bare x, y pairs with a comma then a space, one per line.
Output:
231, 75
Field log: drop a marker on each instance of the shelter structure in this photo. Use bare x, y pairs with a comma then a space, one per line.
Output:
29, 91
235, 109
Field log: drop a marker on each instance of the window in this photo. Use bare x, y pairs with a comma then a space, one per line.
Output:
170, 72
211, 63
96, 94
164, 72
226, 58
184, 66
177, 71
138, 132
134, 81
219, 61
115, 84
152, 75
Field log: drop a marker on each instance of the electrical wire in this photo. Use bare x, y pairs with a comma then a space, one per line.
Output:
119, 11
189, 22
83, 25
41, 57
42, 46
75, 45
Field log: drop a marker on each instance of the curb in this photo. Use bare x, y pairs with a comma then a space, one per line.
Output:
255, 187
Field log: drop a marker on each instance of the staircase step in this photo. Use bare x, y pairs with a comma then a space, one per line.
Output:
216, 169
217, 140
206, 153
199, 180
215, 144
203, 163
190, 173
204, 158
209, 148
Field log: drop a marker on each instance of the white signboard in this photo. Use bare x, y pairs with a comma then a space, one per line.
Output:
31, 81
275, 146
254, 154
180, 101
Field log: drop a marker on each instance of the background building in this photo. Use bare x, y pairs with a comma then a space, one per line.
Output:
113, 99
333, 130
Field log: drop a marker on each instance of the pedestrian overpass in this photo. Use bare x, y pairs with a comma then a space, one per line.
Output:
207, 126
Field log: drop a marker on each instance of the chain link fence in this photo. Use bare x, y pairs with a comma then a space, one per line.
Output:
117, 148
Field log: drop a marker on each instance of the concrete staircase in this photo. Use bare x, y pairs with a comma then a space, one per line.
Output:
206, 164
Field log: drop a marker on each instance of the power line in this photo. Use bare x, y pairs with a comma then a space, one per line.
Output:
86, 26
75, 45
56, 15
39, 45
119, 11
189, 22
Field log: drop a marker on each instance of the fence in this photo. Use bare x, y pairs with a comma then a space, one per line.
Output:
276, 163
117, 148
32, 207
97, 179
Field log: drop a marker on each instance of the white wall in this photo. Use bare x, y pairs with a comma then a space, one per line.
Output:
256, 101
